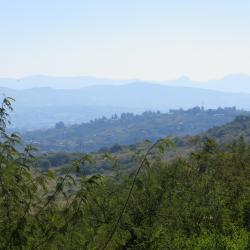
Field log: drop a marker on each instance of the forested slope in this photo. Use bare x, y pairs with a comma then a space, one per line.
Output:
129, 129
226, 133
125, 154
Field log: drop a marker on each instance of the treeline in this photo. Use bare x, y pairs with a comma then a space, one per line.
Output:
197, 202
129, 129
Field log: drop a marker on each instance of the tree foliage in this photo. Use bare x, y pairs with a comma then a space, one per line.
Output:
196, 202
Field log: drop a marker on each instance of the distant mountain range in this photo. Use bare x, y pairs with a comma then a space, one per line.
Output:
44, 106
236, 83
135, 95
41, 81
231, 83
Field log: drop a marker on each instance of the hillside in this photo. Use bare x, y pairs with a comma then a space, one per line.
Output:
129, 129
233, 130
126, 154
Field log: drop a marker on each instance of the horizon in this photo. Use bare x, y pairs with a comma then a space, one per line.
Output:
181, 76
234, 83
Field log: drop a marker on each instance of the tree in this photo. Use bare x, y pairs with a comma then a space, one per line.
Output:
60, 125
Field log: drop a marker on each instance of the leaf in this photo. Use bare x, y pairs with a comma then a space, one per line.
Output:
93, 179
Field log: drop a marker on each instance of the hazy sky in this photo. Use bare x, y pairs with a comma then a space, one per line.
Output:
146, 39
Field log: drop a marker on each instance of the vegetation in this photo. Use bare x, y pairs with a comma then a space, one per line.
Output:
129, 129
197, 202
228, 132
126, 154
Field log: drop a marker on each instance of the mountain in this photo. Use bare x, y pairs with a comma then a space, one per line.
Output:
134, 95
41, 81
129, 129
237, 83
47, 106
231, 83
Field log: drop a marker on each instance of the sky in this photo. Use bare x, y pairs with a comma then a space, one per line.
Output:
123, 39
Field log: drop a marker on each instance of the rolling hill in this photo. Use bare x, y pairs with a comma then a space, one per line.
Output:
125, 154
129, 129
233, 130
